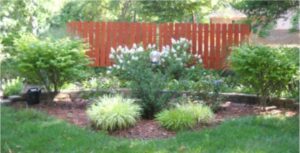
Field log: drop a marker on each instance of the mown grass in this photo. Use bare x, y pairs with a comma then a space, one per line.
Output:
31, 131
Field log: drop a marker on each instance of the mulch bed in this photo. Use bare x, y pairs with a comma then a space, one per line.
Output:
73, 111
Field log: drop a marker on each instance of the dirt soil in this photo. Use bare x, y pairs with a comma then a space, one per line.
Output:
73, 111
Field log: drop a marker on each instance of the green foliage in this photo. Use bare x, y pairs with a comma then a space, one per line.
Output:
101, 82
263, 12
113, 112
12, 87
170, 10
26, 16
184, 116
295, 22
51, 63
266, 70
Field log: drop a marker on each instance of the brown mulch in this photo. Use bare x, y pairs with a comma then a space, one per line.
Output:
73, 111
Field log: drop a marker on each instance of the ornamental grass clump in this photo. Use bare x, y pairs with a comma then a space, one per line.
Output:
176, 119
12, 87
185, 116
113, 112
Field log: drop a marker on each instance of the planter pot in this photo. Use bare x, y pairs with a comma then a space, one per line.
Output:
33, 96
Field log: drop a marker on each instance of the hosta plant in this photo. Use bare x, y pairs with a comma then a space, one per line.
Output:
113, 112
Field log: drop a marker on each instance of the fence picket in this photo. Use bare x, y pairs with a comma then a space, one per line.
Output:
213, 42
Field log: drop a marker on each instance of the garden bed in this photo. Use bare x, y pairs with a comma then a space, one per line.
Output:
73, 110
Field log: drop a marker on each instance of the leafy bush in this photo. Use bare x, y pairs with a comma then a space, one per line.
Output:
12, 87
50, 62
267, 70
113, 112
184, 116
149, 71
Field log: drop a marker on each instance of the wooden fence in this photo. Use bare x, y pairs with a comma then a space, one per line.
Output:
211, 41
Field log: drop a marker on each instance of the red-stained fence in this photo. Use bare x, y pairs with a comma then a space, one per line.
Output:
211, 41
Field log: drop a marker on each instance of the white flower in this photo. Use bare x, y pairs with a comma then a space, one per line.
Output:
120, 61
200, 60
112, 50
149, 46
111, 56
173, 41
155, 56
178, 47
193, 67
108, 72
140, 49
119, 48
181, 39
126, 49
134, 45
167, 47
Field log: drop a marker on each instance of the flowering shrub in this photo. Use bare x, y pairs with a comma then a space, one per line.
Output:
149, 70
174, 61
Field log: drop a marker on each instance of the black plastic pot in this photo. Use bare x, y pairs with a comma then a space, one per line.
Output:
33, 96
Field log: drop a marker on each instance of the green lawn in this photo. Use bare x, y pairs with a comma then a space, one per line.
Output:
32, 131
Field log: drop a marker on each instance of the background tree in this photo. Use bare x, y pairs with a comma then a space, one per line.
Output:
262, 13
169, 11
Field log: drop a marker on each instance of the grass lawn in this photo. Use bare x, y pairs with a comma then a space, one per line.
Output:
32, 131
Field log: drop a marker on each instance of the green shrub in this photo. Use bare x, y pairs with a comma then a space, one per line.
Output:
12, 87
51, 63
113, 112
267, 70
184, 116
